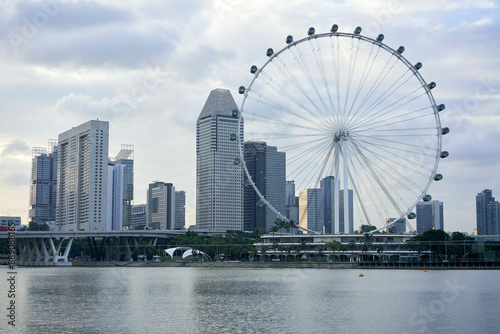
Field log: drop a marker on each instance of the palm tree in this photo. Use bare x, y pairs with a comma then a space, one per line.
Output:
292, 225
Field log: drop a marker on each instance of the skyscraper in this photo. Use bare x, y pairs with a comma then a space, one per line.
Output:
487, 213
430, 216
180, 209
43, 187
350, 228
311, 209
398, 227
161, 206
267, 169
328, 186
292, 205
114, 202
219, 173
82, 177
126, 158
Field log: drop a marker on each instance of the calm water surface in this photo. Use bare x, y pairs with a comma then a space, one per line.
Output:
230, 300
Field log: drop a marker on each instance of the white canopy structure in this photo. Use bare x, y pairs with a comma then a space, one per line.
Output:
188, 252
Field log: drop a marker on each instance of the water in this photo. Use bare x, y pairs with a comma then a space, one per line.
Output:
233, 300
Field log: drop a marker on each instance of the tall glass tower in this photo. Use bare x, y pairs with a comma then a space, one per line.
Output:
43, 186
219, 174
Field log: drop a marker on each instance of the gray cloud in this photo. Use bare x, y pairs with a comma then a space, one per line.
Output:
15, 146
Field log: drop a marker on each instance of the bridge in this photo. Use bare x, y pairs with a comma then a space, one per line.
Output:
53, 247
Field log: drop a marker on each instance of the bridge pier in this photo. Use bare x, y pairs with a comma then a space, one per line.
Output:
46, 250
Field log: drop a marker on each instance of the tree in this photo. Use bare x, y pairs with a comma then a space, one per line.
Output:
274, 229
367, 228
292, 225
433, 239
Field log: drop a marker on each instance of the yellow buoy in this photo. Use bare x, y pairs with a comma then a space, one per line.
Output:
361, 275
425, 270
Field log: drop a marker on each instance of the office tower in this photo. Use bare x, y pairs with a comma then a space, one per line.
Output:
350, 228
82, 177
328, 186
126, 158
311, 209
429, 216
43, 186
292, 203
487, 218
219, 173
180, 209
161, 206
138, 216
398, 227
267, 169
114, 202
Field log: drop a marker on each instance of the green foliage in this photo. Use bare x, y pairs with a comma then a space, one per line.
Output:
367, 228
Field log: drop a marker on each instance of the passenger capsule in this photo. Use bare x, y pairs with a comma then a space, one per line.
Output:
418, 66
427, 198
246, 183
401, 49
445, 131
432, 85
253, 69
241, 90
357, 31
438, 177
441, 107
289, 39
411, 215
232, 136
237, 161
380, 37
234, 113
444, 154
311, 31
269, 52
260, 204
334, 28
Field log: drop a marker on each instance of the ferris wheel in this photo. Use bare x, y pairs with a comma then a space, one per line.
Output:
348, 106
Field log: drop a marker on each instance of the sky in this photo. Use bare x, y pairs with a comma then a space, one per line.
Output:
147, 67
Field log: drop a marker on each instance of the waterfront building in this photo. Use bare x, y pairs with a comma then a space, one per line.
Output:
430, 216
6, 221
311, 209
43, 185
161, 206
487, 213
267, 169
138, 216
180, 210
398, 227
219, 172
82, 177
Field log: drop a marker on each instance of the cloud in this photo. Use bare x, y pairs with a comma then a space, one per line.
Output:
15, 146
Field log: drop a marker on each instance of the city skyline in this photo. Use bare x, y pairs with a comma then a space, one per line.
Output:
142, 93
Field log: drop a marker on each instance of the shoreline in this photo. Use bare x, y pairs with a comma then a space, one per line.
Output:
288, 265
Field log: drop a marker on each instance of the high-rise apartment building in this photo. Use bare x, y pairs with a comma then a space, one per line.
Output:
43, 186
161, 206
219, 172
430, 216
82, 177
180, 209
328, 186
311, 209
487, 213
267, 168
116, 173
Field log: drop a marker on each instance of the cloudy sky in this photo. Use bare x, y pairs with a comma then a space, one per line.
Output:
148, 66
